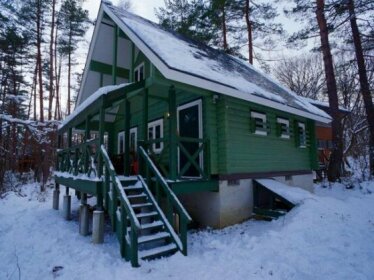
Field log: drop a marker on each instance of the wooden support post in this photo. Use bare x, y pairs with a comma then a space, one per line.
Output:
127, 138
100, 167
115, 49
173, 134
144, 130
86, 137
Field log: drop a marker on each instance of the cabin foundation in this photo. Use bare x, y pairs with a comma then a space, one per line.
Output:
83, 219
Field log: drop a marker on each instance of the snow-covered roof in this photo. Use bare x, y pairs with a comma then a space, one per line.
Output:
91, 99
325, 104
182, 59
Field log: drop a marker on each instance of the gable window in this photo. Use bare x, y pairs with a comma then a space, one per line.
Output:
139, 73
301, 134
156, 131
283, 128
259, 123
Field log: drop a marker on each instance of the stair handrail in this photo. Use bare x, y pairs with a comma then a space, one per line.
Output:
172, 198
165, 185
169, 228
117, 184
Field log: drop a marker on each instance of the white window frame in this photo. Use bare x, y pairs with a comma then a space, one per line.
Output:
137, 72
153, 125
262, 116
122, 133
134, 130
302, 126
200, 110
119, 135
287, 123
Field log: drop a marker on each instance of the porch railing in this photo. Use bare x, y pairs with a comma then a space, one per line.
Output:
176, 214
79, 159
199, 159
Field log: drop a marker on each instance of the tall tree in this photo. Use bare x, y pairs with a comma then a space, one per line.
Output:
364, 83
51, 59
336, 158
73, 25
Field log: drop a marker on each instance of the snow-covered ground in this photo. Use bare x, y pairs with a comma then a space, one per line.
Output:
329, 236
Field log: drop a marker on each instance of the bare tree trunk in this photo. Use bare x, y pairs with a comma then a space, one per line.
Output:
39, 58
249, 31
365, 88
35, 86
224, 28
69, 82
51, 60
336, 158
33, 89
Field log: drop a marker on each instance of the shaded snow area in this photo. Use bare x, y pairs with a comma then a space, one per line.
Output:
330, 235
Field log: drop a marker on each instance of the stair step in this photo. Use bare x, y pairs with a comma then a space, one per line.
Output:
137, 195
153, 237
133, 187
154, 224
158, 251
146, 215
140, 205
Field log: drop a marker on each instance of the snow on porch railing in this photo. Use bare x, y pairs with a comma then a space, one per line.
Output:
81, 159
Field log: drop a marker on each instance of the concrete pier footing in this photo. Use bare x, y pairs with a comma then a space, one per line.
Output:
56, 199
83, 219
98, 227
66, 209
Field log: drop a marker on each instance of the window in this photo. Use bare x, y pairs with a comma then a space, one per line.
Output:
284, 128
139, 73
302, 134
259, 123
133, 140
156, 131
121, 142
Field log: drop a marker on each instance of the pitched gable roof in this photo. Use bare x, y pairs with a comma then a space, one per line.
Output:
181, 59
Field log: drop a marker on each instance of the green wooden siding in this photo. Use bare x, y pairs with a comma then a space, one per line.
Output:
247, 152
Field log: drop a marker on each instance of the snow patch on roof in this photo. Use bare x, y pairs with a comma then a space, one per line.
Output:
196, 59
91, 99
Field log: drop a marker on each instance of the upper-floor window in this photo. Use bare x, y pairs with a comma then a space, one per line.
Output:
259, 123
156, 132
139, 73
301, 134
283, 128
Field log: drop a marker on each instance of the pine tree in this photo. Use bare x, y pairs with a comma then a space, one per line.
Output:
73, 25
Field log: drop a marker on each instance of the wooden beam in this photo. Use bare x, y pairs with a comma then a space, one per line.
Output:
104, 68
115, 49
173, 134
127, 138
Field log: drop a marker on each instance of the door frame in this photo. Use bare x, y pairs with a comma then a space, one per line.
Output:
199, 103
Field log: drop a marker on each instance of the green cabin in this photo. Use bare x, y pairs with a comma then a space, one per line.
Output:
168, 133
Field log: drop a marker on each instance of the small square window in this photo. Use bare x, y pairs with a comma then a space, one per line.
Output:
259, 123
301, 134
284, 128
